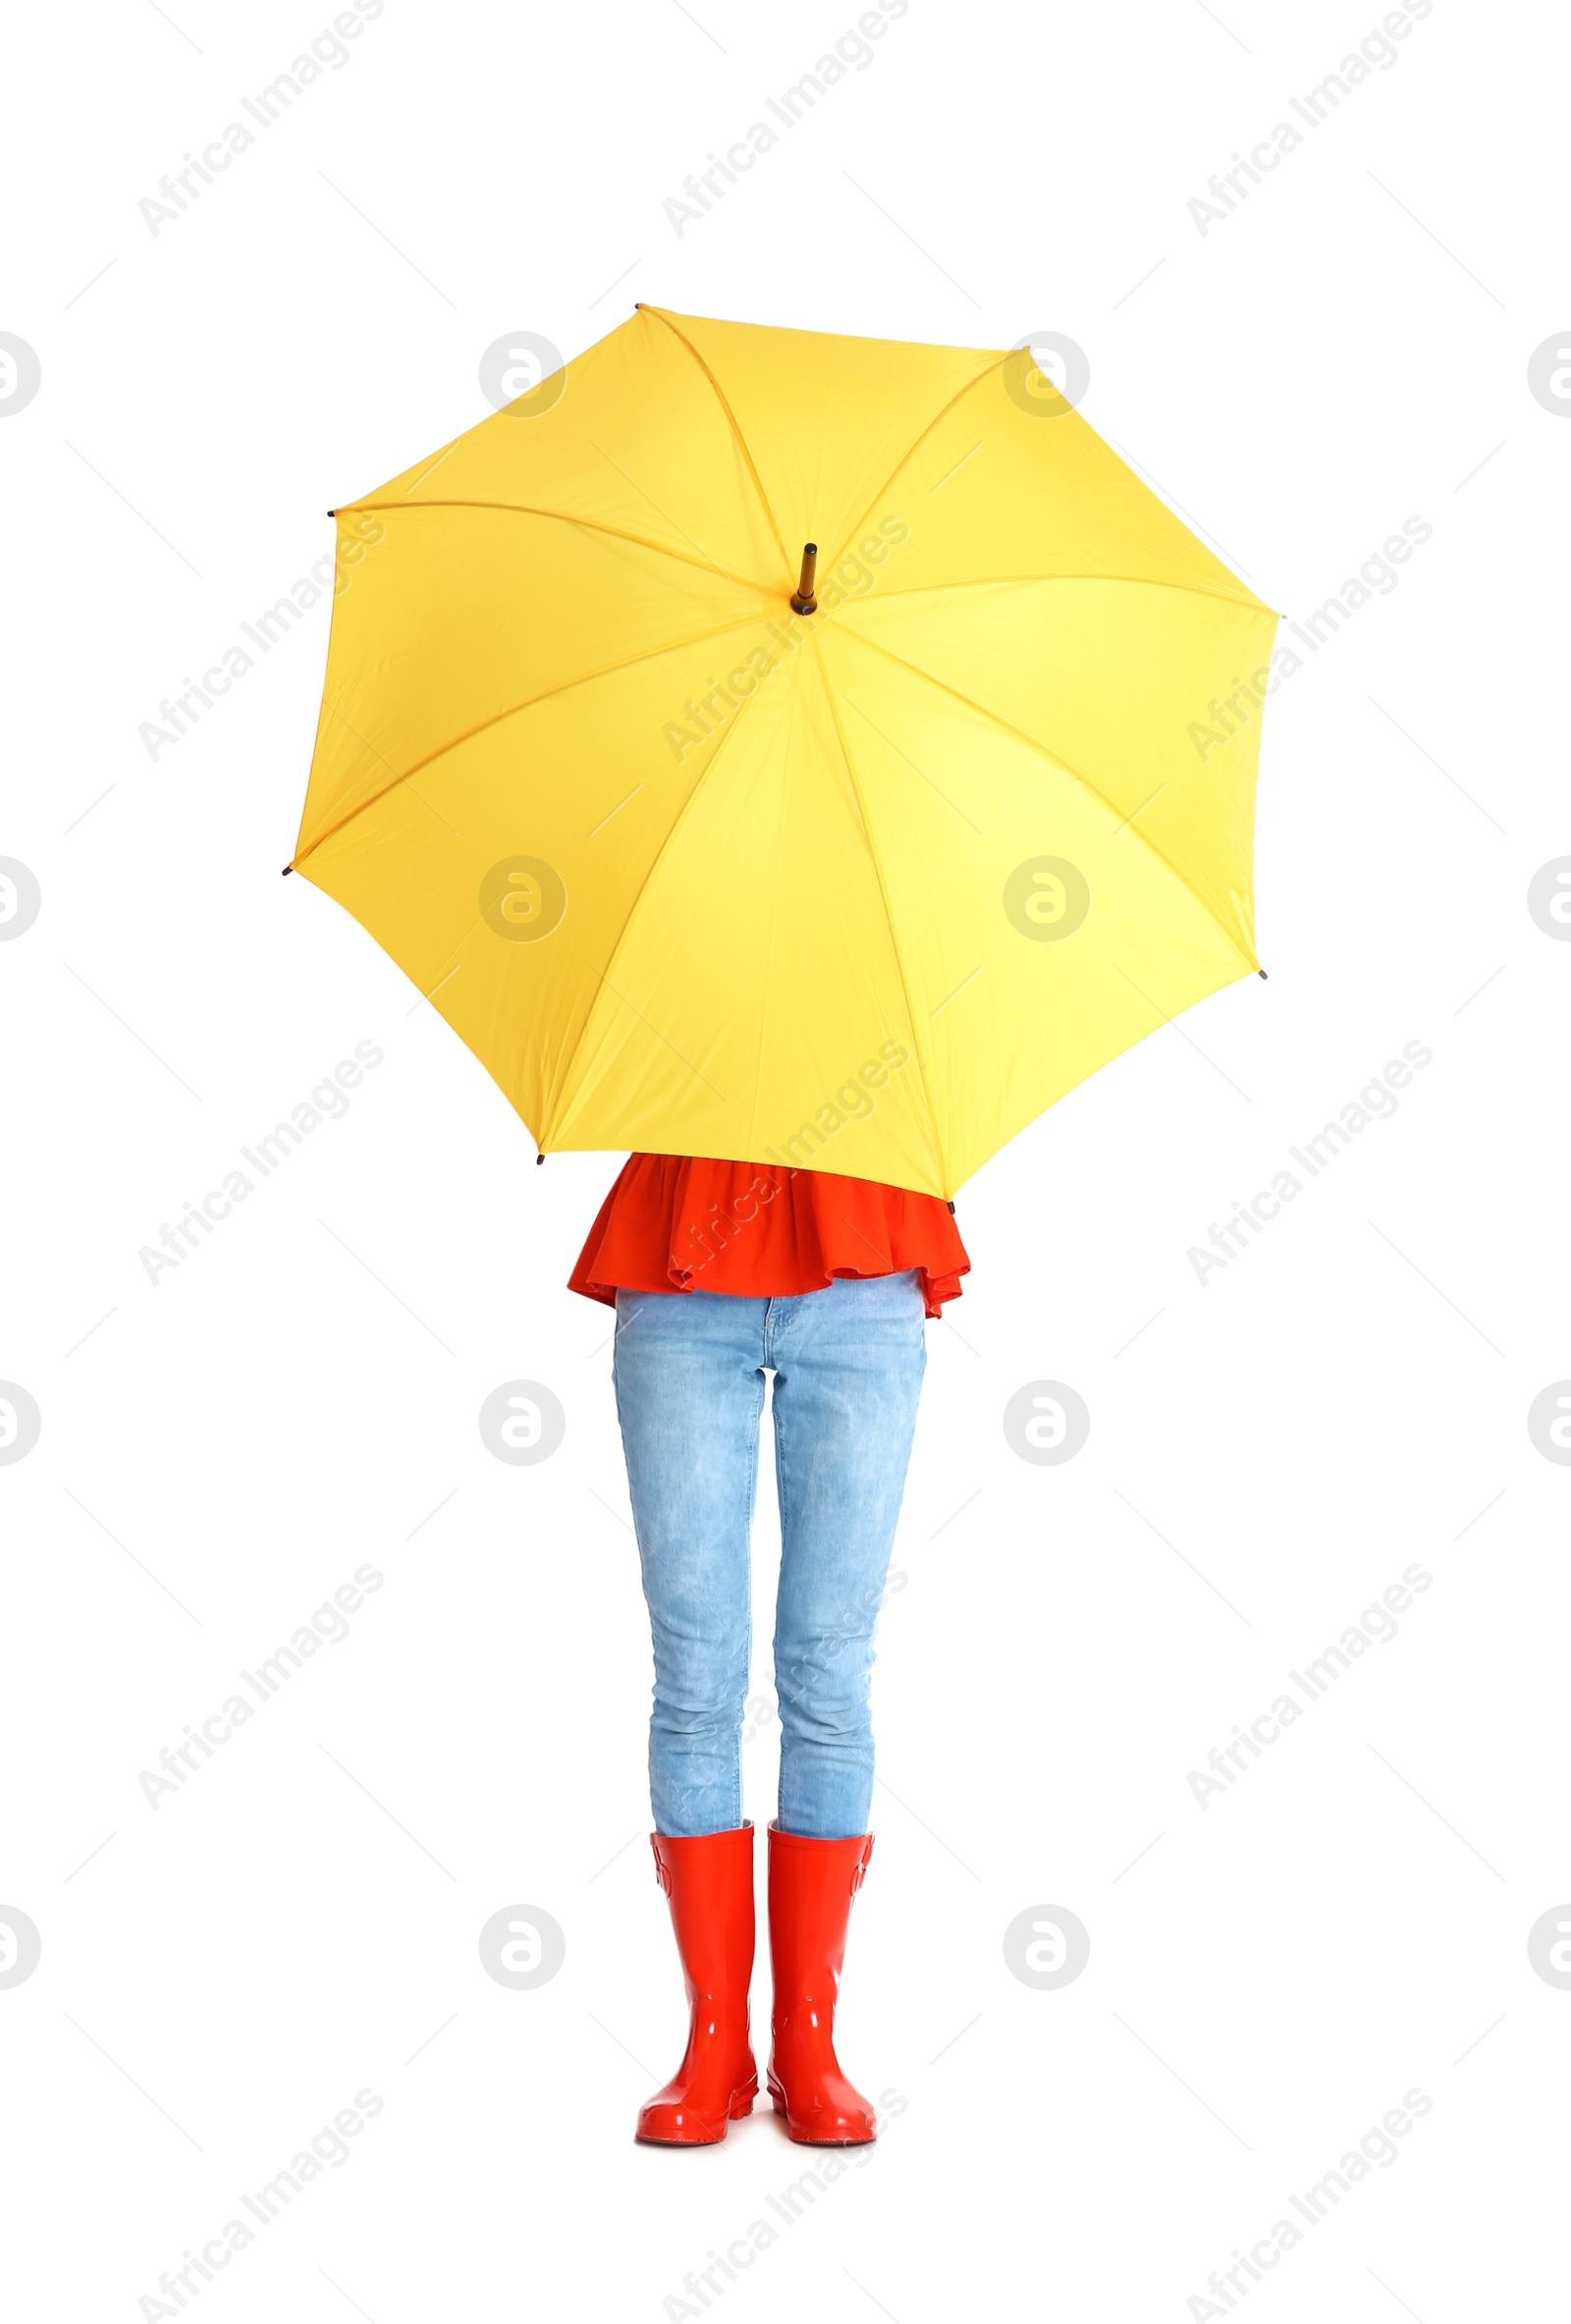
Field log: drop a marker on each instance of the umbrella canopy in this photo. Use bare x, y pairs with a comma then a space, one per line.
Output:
861, 889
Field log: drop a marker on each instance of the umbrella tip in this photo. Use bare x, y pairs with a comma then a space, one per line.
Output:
1261, 972
288, 868
332, 511
538, 1159
803, 600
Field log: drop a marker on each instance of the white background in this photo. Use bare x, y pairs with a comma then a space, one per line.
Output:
1268, 1976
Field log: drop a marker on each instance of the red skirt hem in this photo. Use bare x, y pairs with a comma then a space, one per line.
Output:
677, 1224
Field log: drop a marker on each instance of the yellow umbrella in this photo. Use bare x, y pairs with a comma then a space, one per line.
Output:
860, 888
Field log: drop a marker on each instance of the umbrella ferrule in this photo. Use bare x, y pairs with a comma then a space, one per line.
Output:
804, 602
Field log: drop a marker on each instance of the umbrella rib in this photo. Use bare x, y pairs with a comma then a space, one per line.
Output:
1062, 765
909, 452
605, 976
730, 420
921, 440
1247, 604
584, 679
561, 517
918, 1033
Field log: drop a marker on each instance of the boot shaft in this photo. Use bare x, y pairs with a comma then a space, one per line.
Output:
811, 1884
708, 1882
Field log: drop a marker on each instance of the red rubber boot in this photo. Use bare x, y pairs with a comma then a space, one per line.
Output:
709, 1881
811, 1884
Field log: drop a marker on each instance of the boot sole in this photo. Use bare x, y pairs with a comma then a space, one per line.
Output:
801, 2138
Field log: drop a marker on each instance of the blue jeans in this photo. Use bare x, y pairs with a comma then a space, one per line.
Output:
690, 1371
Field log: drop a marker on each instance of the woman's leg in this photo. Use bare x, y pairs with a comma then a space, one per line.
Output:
689, 1395
849, 1363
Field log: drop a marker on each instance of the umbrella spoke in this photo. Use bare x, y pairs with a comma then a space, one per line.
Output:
1063, 767
584, 677
730, 421
613, 532
909, 452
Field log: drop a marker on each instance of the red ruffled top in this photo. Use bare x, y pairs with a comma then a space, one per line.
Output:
674, 1223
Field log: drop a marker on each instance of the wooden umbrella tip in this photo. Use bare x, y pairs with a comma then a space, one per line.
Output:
802, 599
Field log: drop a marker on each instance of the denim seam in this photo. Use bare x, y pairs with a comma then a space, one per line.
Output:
615, 1394
782, 1498
749, 1506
